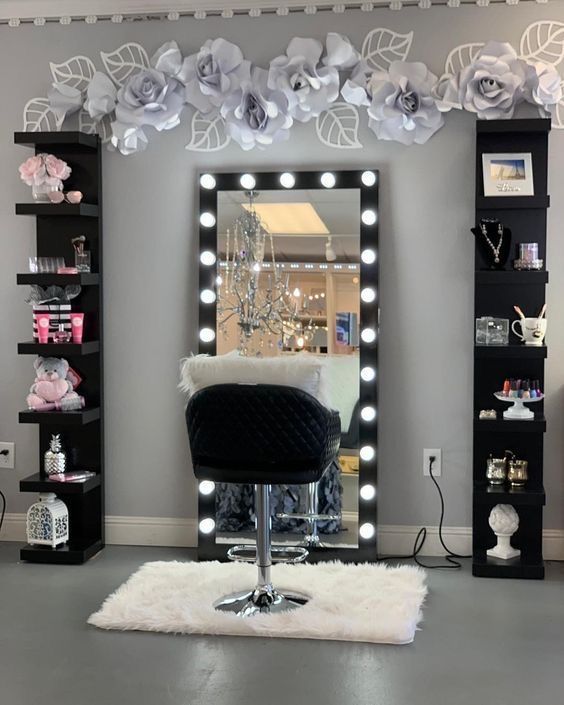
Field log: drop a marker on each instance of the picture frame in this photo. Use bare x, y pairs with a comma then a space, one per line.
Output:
508, 174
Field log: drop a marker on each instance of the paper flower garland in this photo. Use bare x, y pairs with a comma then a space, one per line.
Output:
257, 107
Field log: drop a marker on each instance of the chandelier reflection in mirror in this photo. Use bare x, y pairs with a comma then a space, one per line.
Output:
252, 288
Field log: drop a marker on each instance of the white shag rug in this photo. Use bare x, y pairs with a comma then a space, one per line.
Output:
369, 603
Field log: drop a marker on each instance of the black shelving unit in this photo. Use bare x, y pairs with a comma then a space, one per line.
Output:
82, 432
496, 292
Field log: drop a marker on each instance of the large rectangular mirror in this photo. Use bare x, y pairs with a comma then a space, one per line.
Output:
290, 264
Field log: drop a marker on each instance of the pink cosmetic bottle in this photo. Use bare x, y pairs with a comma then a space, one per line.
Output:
77, 325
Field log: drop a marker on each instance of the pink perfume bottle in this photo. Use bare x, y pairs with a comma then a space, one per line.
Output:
61, 335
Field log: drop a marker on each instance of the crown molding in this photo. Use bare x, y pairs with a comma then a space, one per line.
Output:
53, 10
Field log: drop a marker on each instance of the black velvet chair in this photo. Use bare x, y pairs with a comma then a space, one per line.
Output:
262, 434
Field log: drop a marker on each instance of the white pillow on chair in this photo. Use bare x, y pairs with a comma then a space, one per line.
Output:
301, 371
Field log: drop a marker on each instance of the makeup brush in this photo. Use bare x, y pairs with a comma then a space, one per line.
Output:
518, 312
542, 312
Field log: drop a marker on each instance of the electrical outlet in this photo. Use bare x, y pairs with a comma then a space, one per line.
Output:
7, 460
437, 465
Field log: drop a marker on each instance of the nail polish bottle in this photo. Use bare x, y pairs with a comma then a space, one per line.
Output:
513, 393
506, 388
525, 389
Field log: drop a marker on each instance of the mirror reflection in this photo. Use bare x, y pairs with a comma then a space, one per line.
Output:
288, 283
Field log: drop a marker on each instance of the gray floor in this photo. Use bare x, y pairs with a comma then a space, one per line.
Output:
482, 641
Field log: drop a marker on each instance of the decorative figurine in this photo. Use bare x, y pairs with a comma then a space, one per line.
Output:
55, 459
504, 522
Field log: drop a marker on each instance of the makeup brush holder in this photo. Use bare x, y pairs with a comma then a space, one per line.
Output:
518, 411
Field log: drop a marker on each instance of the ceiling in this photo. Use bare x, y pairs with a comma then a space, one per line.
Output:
338, 209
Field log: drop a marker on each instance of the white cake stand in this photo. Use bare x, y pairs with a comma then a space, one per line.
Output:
518, 412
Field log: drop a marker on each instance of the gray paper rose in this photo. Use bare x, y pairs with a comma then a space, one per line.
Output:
402, 106
309, 86
357, 89
256, 115
101, 96
149, 98
64, 100
491, 86
212, 74
127, 139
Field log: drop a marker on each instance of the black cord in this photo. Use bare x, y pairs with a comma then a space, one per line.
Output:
451, 563
3, 509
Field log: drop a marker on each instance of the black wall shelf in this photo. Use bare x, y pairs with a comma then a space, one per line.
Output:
82, 431
495, 294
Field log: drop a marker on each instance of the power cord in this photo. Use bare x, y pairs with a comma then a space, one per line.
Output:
3, 452
450, 556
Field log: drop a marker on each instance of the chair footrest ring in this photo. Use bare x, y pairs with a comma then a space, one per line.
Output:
310, 517
247, 553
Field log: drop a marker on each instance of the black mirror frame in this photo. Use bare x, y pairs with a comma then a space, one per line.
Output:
367, 182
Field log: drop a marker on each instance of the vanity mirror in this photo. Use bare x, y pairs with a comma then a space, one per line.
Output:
289, 267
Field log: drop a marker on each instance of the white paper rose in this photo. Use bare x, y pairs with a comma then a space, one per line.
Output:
256, 115
168, 59
149, 98
64, 100
340, 52
101, 96
491, 86
403, 108
127, 139
357, 89
309, 86
212, 74
544, 85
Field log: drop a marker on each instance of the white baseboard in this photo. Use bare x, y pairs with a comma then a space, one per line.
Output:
393, 539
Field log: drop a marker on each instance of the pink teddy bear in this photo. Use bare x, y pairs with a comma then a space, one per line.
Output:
51, 383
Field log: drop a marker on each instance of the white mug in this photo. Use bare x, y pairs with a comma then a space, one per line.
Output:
533, 330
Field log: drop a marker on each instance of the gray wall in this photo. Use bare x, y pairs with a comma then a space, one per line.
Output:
427, 195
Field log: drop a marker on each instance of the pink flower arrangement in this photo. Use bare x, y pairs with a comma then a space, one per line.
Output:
44, 169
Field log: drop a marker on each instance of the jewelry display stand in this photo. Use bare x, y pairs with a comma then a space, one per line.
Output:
498, 287
494, 241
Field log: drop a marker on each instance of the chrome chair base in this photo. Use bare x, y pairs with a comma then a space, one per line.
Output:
262, 600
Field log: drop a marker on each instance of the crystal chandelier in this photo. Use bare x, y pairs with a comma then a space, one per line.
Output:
252, 290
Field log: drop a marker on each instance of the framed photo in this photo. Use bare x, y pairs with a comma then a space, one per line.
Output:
508, 174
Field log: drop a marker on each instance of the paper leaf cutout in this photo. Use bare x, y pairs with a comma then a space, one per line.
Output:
543, 41
207, 133
38, 117
77, 72
557, 114
461, 57
123, 62
382, 46
103, 127
338, 127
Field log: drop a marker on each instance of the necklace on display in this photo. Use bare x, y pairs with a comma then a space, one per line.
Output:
496, 249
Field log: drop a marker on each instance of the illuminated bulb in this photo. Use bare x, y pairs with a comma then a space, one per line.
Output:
256, 267
310, 297
368, 256
207, 296
367, 374
207, 487
368, 335
207, 181
287, 180
219, 281
355, 280
368, 217
368, 413
207, 525
368, 294
207, 335
300, 342
248, 182
207, 258
328, 179
368, 178
367, 492
322, 294
367, 530
367, 452
316, 296
207, 220
296, 292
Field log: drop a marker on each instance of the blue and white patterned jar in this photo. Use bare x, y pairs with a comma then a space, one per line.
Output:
48, 521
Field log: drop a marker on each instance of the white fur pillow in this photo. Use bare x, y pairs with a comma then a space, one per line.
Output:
303, 372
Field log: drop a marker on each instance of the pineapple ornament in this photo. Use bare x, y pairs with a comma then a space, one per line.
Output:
55, 457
